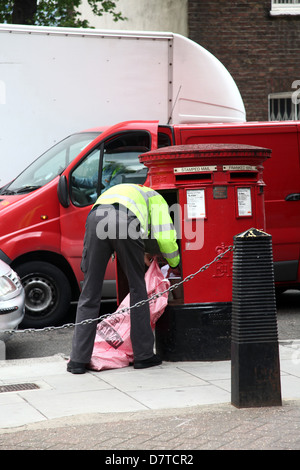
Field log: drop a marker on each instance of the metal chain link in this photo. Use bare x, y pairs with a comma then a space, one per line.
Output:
125, 309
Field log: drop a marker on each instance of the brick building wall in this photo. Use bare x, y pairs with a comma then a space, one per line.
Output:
262, 52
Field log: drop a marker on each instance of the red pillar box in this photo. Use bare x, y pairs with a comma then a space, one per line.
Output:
214, 192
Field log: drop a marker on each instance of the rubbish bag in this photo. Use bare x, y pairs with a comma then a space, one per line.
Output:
112, 346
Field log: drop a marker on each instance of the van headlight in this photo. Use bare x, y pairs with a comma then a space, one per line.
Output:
6, 286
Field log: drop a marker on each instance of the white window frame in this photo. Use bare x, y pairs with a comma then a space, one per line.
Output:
289, 108
285, 7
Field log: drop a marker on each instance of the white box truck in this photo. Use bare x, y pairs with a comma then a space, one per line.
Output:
56, 81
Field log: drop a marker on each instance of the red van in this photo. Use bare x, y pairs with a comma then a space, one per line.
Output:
43, 210
282, 179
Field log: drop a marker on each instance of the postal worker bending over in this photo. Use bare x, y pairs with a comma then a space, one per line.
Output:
120, 219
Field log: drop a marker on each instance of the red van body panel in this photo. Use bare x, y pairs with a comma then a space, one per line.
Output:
30, 222
281, 176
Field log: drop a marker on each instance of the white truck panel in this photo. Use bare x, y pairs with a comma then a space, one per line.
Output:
207, 93
56, 81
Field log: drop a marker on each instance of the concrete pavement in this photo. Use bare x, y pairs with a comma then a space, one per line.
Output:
183, 405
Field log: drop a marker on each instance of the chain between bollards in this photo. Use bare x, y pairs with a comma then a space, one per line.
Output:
125, 309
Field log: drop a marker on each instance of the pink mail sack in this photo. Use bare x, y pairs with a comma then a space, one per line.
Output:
112, 347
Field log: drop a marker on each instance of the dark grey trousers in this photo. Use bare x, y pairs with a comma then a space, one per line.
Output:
106, 234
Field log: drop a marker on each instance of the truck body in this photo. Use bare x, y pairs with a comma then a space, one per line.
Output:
56, 81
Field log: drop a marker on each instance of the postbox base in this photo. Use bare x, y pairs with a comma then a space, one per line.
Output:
195, 332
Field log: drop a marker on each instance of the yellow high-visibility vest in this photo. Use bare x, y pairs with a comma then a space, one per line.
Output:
152, 211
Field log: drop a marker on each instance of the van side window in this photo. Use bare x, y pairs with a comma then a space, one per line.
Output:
121, 160
84, 180
119, 163
164, 140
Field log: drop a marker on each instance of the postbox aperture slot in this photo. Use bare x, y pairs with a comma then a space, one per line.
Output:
243, 175
194, 177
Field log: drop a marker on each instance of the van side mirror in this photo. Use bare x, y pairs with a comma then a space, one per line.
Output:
62, 191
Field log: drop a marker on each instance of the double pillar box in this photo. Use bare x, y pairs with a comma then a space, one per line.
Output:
214, 192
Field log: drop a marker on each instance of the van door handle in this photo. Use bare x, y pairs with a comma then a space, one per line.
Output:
293, 197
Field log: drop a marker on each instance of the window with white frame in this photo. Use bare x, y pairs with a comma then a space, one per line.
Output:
285, 7
283, 107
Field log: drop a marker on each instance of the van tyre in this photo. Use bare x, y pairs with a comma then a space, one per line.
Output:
47, 294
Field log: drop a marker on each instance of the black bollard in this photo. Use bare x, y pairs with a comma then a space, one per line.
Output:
255, 368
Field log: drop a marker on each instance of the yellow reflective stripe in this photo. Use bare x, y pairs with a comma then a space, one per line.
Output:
171, 255
147, 205
162, 228
144, 191
140, 208
124, 199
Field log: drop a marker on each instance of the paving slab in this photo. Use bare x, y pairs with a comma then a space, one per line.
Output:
172, 385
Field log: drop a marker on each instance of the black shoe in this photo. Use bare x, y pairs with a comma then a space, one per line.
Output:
150, 362
76, 367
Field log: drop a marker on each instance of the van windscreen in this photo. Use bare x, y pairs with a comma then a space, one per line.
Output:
50, 164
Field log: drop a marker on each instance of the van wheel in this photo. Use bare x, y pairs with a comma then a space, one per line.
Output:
47, 294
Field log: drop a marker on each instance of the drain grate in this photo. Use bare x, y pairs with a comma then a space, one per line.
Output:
18, 387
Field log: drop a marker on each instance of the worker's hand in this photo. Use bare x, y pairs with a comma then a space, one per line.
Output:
148, 259
175, 271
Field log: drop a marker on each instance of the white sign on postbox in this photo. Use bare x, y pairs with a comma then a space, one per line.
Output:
244, 202
195, 203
